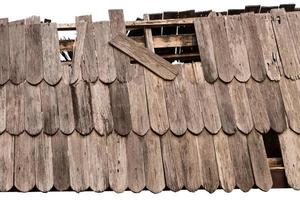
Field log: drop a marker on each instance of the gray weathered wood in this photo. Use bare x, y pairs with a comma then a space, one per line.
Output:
43, 162
4, 51
7, 162
138, 101
254, 48
3, 108
102, 115
17, 73
148, 36
98, 169
135, 145
15, 116
206, 49
78, 158
237, 48
33, 109
24, 168
50, 46
105, 59
154, 172
117, 162
260, 166
60, 161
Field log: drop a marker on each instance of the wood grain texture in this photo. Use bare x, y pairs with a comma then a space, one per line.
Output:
4, 51
135, 145
105, 59
223, 57
98, 166
260, 166
81, 98
33, 53
43, 162
269, 47
148, 36
274, 103
15, 111
33, 109
78, 158
50, 47
241, 106
7, 162
224, 161
24, 168
241, 161
154, 171
206, 49
17, 68
147, 58
102, 115
237, 48
117, 162
258, 107
89, 68
173, 166
138, 101
60, 161
2, 108
49, 109
225, 105
286, 46
254, 47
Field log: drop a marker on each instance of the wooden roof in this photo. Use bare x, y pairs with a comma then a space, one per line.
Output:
108, 123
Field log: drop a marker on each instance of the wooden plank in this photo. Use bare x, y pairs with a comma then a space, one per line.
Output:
117, 162
241, 106
2, 108
78, 158
117, 26
154, 172
65, 108
290, 148
258, 155
258, 107
285, 42
148, 36
207, 158
237, 48
105, 59
294, 25
269, 48
290, 93
138, 101
49, 109
33, 109
225, 105
24, 168
151, 61
254, 47
7, 162
98, 169
89, 68
173, 166
81, 98
50, 47
208, 101
43, 162
135, 162
223, 57
102, 115
15, 112
60, 161
241, 161
224, 161
17, 73
4, 52
33, 53
274, 104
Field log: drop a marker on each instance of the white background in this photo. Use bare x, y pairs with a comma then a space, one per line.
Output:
64, 11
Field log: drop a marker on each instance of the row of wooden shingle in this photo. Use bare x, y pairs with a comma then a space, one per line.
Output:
135, 162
